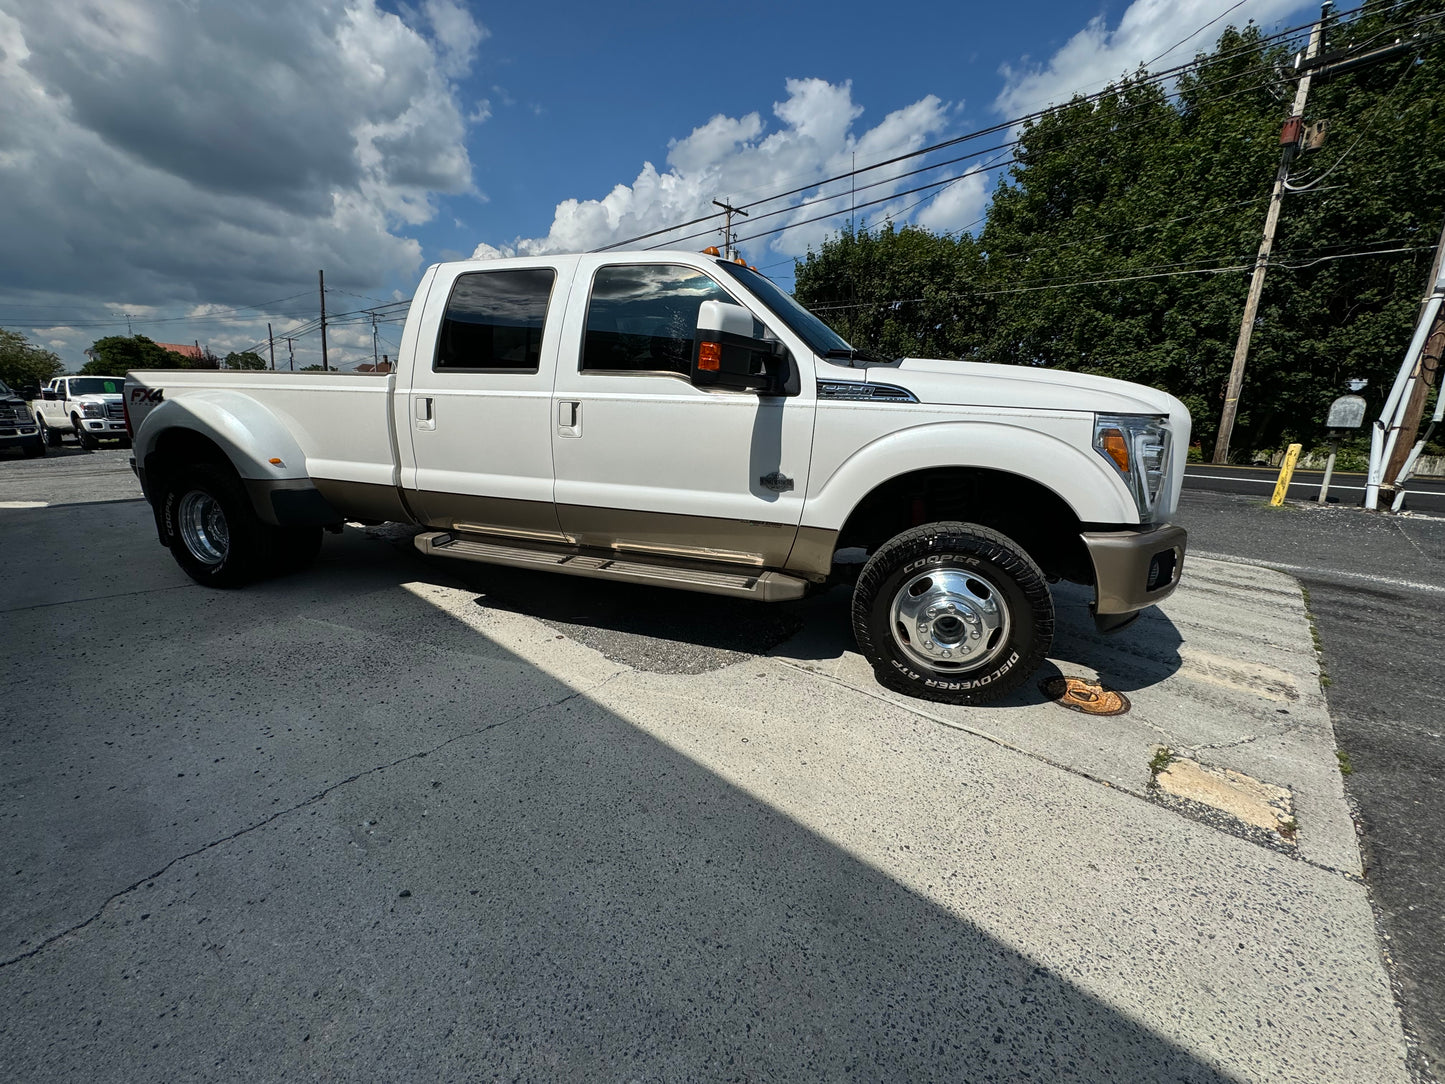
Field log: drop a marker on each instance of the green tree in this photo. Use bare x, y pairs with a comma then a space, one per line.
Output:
1122, 239
246, 359
24, 366
116, 355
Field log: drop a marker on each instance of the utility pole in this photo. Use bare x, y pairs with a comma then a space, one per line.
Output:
1423, 376
291, 349
373, 340
271, 342
1290, 138
728, 229
321, 277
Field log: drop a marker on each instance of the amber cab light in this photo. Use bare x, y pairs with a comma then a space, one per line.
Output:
711, 250
1116, 448
709, 357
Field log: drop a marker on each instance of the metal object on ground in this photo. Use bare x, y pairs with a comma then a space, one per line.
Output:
1090, 697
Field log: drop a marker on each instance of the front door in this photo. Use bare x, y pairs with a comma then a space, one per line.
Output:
478, 409
646, 462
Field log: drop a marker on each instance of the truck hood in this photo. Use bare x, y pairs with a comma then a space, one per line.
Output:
970, 383
97, 397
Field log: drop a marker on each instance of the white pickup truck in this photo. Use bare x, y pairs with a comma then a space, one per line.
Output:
676, 419
88, 406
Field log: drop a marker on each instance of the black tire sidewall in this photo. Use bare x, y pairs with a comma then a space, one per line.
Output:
249, 552
970, 548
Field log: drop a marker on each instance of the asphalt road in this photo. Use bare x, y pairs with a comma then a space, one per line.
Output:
1377, 591
1347, 489
335, 768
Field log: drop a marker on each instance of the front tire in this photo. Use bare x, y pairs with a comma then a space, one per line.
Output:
953, 612
215, 535
88, 442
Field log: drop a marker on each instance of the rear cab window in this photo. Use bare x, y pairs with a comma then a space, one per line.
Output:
494, 321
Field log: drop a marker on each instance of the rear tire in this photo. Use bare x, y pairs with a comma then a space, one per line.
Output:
953, 612
51, 436
214, 533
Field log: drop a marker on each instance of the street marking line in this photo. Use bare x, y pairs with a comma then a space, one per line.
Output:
1325, 573
24, 504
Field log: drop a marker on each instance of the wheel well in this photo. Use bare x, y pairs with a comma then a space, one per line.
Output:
177, 448
1031, 514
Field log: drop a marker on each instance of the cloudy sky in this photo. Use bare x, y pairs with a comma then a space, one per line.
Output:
191, 164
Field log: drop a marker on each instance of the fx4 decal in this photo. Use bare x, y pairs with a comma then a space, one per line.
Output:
147, 395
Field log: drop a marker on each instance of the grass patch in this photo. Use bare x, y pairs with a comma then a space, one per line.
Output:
1288, 828
1346, 768
1325, 681
1163, 757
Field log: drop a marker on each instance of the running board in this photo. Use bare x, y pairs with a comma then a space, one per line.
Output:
761, 586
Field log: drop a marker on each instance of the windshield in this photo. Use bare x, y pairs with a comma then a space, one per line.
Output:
97, 385
800, 321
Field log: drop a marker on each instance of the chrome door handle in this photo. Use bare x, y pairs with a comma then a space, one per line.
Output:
569, 418
425, 416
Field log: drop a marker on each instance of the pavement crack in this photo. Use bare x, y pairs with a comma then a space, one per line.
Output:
304, 803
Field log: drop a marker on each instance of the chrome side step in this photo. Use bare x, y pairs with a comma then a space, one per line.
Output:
761, 586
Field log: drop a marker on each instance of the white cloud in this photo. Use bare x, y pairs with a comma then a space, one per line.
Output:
167, 152
1097, 55
739, 159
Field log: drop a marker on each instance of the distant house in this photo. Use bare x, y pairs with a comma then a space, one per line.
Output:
186, 350
379, 367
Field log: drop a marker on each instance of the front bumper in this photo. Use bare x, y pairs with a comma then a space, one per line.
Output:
1133, 569
13, 436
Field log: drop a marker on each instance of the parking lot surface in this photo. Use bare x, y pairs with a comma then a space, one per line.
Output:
392, 819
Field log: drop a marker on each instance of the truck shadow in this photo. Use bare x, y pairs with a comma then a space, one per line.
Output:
705, 632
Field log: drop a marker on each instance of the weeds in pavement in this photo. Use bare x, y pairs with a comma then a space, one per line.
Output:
1163, 757
1344, 758
1325, 682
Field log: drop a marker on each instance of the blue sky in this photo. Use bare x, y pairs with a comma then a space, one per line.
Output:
175, 160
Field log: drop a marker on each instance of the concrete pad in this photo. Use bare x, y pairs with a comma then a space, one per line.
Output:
1224, 672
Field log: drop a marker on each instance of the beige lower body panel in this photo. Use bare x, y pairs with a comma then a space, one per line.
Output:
364, 500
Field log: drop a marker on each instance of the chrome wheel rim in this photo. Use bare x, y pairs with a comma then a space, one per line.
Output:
203, 527
950, 619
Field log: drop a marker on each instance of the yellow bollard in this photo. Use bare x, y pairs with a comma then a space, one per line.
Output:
1286, 472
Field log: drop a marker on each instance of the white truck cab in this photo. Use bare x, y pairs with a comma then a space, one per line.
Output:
91, 407
674, 418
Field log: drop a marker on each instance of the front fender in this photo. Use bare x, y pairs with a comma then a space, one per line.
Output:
1080, 477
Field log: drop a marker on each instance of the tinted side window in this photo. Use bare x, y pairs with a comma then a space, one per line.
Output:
643, 317
494, 320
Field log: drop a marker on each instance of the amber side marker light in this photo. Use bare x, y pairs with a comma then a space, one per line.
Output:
1089, 697
1116, 449
709, 357
274, 461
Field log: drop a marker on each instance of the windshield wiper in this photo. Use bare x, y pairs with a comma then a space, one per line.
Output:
871, 356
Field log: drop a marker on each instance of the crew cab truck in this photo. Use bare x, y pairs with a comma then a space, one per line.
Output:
88, 406
677, 419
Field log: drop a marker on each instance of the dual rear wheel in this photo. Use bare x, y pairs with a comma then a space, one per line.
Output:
216, 536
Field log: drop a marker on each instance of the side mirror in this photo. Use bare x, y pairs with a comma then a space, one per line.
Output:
726, 355
48, 393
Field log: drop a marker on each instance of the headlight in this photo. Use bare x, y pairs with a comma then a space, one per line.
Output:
93, 410
1138, 446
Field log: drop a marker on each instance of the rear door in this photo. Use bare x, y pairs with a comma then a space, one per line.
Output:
479, 405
